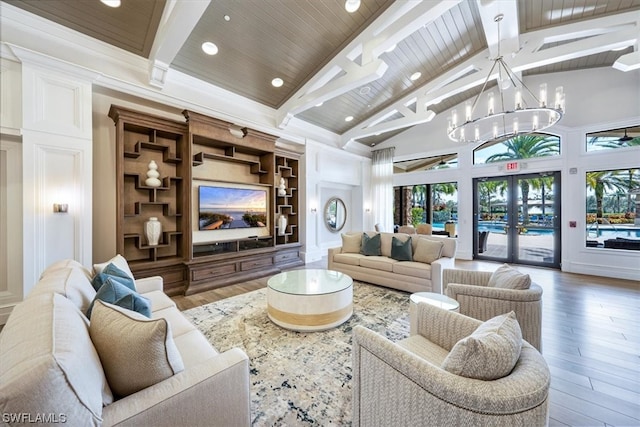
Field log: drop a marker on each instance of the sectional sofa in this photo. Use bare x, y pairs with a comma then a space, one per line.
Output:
53, 370
430, 255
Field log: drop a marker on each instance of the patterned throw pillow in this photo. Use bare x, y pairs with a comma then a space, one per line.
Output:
428, 251
490, 352
401, 251
507, 277
371, 246
135, 352
116, 293
117, 274
351, 243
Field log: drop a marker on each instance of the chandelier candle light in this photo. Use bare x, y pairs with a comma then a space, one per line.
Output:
504, 124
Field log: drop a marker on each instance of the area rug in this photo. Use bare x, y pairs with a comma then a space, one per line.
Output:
299, 378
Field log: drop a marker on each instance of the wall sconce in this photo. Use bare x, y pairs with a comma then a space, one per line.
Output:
314, 210
60, 208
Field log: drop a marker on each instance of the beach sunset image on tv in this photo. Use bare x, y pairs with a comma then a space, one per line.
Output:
225, 208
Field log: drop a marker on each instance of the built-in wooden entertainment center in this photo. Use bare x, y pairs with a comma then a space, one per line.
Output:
201, 151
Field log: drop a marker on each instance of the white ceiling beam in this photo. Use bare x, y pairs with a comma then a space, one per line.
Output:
399, 21
615, 31
628, 62
504, 34
179, 18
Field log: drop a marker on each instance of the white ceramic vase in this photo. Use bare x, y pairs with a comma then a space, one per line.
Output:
153, 175
282, 188
282, 225
152, 231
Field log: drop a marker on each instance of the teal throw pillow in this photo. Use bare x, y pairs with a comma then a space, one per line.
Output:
114, 272
401, 251
114, 292
370, 245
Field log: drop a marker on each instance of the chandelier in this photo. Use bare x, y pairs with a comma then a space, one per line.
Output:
528, 114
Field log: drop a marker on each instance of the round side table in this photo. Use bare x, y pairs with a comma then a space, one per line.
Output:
432, 298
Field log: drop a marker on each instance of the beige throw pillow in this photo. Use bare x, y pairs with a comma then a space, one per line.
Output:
507, 277
490, 352
427, 251
351, 243
119, 261
136, 352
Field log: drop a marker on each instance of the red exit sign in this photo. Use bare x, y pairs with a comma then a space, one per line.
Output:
513, 166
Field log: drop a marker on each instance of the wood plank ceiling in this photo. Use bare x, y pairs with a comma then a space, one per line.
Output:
300, 40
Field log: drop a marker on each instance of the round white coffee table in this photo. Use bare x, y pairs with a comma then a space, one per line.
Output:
309, 300
432, 298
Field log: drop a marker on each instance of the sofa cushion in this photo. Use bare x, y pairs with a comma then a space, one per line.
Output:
427, 250
349, 259
135, 352
116, 293
112, 271
401, 249
490, 352
159, 300
351, 243
413, 269
49, 364
67, 263
385, 243
370, 245
449, 244
70, 282
378, 263
119, 261
194, 348
507, 277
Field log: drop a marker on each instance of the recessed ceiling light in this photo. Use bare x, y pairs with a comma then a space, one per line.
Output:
352, 5
415, 76
209, 48
348, 118
227, 18
111, 3
319, 104
365, 90
277, 82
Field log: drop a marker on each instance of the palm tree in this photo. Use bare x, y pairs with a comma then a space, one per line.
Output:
526, 147
600, 181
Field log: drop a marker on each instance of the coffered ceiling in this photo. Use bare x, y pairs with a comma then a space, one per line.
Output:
336, 64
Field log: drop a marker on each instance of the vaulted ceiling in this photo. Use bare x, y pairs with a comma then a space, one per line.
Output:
336, 64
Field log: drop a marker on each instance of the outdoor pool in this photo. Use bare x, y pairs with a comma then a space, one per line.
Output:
604, 231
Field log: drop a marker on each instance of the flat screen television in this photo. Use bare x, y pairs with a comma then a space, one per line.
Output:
222, 208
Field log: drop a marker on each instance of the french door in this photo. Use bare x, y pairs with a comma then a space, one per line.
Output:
517, 219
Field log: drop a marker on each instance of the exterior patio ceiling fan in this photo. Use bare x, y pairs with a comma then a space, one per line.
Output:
626, 137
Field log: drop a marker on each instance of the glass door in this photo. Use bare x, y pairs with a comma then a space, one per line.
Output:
517, 219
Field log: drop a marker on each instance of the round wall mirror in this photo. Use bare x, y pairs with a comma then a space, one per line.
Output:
335, 214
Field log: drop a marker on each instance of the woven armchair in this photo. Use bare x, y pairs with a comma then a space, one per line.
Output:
402, 384
481, 302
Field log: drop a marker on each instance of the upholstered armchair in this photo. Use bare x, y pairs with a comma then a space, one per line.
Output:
481, 301
424, 228
408, 229
404, 383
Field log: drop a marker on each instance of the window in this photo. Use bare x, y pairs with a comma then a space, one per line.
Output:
520, 147
444, 161
613, 139
612, 203
426, 203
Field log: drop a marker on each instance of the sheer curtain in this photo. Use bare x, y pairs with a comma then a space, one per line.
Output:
382, 186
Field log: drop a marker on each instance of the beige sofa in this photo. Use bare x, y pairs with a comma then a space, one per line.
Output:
410, 276
51, 371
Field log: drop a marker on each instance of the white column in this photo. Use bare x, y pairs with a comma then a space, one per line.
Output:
56, 162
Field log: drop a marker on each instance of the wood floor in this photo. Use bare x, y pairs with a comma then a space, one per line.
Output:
591, 341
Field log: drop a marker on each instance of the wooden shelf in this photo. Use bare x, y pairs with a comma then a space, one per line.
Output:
166, 239
167, 155
255, 166
139, 181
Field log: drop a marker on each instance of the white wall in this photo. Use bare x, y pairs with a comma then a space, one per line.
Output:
596, 99
329, 172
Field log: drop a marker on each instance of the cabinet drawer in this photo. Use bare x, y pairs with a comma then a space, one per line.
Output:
256, 263
173, 276
212, 272
286, 256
